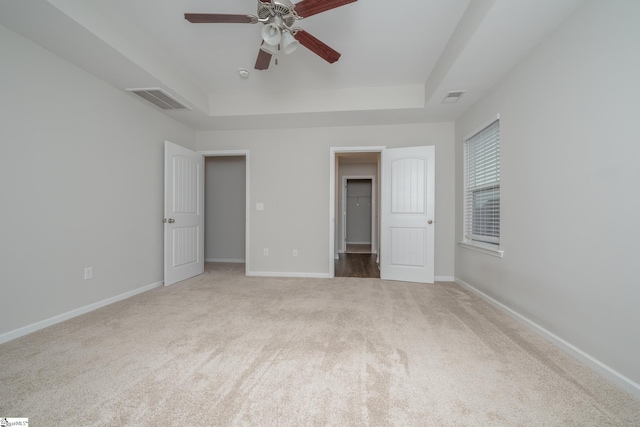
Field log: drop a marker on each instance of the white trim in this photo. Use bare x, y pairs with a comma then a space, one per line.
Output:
247, 230
247, 202
25, 330
223, 153
444, 279
485, 249
606, 371
358, 243
359, 149
236, 261
289, 274
332, 194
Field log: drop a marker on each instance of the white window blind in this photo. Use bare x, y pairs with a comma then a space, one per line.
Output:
482, 186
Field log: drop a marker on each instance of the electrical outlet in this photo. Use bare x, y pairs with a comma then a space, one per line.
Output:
88, 273
265, 251
295, 252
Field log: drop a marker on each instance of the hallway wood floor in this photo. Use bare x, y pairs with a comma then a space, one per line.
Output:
358, 248
357, 265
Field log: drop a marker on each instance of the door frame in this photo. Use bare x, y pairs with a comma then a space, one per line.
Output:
332, 194
246, 154
343, 235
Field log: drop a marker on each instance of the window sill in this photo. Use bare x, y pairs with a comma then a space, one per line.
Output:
485, 249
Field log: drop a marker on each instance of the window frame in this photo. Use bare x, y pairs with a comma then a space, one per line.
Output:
483, 243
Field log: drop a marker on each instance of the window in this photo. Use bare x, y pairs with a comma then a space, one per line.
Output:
482, 187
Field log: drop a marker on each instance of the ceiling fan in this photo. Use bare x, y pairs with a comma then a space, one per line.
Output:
279, 33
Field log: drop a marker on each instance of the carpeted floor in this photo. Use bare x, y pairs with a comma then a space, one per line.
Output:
222, 349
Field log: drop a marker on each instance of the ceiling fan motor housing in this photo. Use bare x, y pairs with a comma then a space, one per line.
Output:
267, 11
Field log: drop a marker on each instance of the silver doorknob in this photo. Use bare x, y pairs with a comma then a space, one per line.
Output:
171, 220
428, 222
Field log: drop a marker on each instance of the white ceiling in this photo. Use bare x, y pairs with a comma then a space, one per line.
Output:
399, 59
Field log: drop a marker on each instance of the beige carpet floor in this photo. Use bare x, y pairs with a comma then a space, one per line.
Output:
222, 349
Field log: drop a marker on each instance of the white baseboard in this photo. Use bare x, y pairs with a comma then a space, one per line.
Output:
444, 279
606, 371
25, 330
358, 243
289, 274
235, 261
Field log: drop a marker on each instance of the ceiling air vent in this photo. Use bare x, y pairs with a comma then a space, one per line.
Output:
159, 98
453, 97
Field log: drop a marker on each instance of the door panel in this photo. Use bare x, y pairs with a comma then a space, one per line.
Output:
185, 239
407, 245
408, 177
184, 214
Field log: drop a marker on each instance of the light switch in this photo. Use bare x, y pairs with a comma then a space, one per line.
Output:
259, 206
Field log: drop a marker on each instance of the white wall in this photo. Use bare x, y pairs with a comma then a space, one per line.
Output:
224, 223
290, 174
81, 167
569, 198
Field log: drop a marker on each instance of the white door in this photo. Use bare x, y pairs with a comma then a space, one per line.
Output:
407, 214
184, 213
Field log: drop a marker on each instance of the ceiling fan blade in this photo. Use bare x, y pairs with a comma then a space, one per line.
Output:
263, 60
219, 18
317, 47
307, 8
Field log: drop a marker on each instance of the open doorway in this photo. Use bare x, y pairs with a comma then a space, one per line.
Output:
225, 209
406, 190
185, 210
356, 211
359, 204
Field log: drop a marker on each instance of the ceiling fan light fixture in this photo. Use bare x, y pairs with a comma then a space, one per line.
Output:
289, 43
271, 34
